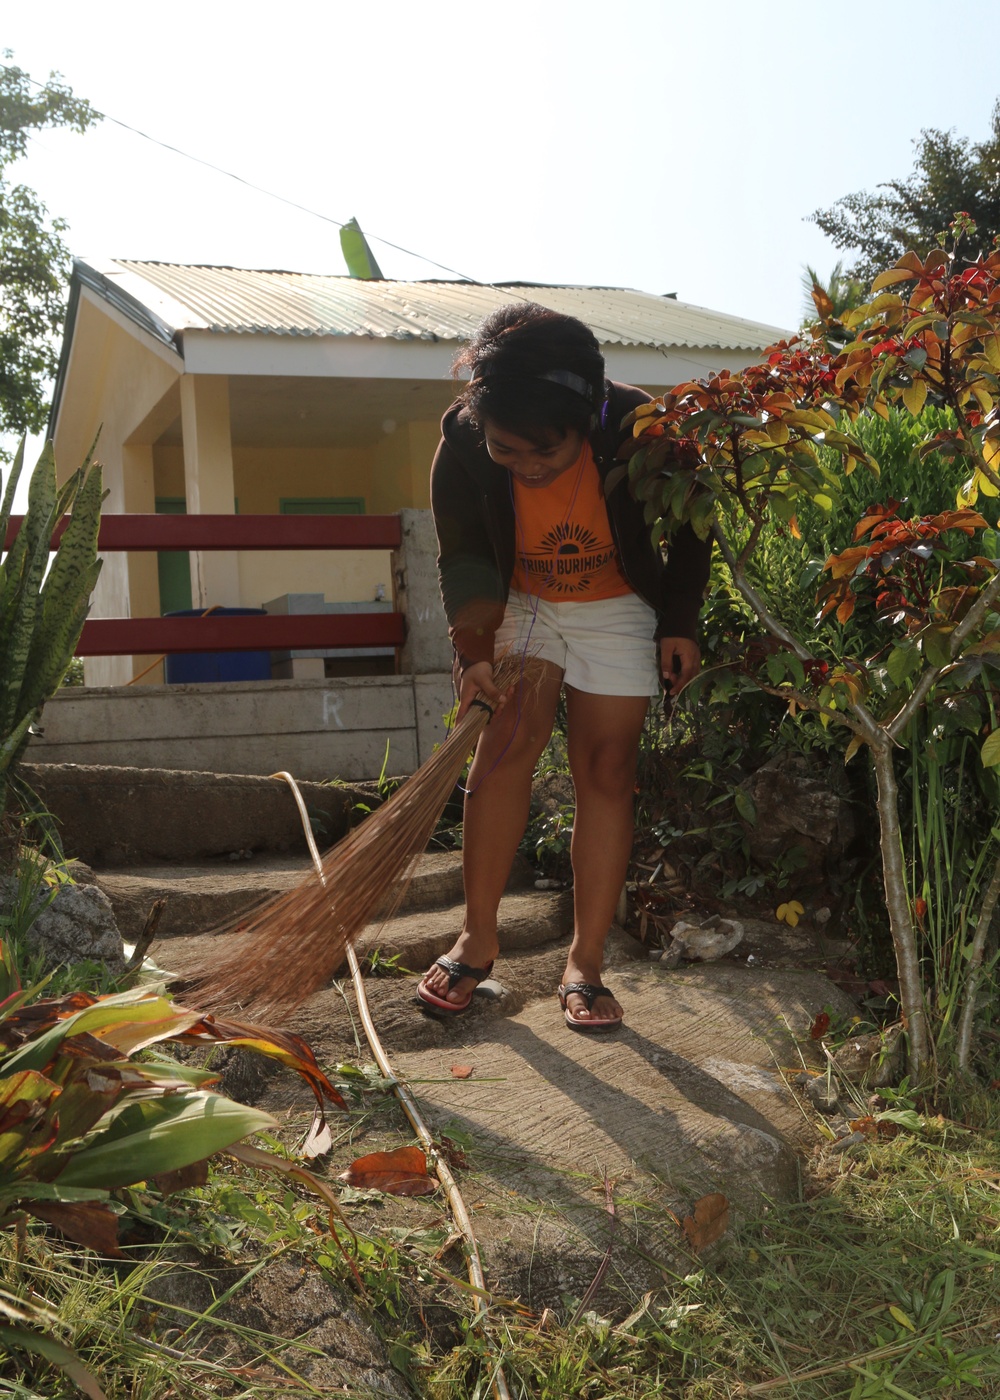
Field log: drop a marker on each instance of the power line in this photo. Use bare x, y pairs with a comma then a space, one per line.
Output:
249, 184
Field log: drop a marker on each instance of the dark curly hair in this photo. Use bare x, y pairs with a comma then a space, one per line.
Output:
515, 345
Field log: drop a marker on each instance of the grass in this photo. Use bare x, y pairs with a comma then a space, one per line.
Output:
880, 1283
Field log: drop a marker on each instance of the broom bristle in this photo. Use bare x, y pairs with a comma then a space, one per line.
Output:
291, 946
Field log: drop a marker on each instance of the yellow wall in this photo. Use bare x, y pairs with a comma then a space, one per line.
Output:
119, 378
115, 381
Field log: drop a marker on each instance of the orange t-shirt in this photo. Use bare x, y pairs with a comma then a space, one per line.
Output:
564, 551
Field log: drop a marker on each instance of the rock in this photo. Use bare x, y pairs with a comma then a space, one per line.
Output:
845, 1143
795, 808
622, 947
875, 1059
711, 939
337, 1350
553, 791
822, 1093
78, 925
671, 957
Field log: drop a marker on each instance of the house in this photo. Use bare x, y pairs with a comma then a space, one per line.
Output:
219, 389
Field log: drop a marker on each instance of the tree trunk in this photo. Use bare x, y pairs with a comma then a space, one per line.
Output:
975, 968
904, 941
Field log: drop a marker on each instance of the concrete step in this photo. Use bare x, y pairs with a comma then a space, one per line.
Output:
131, 816
202, 895
528, 919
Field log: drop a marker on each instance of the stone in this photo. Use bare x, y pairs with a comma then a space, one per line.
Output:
875, 1059
711, 939
795, 808
822, 1093
78, 925
620, 946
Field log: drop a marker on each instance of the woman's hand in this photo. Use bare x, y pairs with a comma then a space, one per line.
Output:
477, 680
680, 662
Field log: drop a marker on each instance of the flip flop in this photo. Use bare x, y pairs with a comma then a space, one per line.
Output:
590, 991
456, 971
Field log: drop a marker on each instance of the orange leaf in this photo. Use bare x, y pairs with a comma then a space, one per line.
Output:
846, 609
709, 1222
461, 1071
402, 1172
89, 1223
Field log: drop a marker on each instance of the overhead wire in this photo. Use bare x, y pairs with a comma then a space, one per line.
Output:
250, 184
506, 289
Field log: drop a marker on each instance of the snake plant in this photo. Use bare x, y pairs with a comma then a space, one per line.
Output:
42, 608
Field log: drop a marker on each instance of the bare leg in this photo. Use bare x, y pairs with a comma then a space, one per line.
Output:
604, 735
496, 813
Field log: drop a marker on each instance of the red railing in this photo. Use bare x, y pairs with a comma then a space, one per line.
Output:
323, 631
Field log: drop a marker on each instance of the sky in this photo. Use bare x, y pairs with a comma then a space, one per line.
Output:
666, 146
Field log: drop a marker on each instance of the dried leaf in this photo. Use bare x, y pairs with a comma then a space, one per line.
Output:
820, 1026
402, 1172
461, 1071
85, 1222
709, 1222
194, 1175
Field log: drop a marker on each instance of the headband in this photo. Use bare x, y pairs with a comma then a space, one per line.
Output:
565, 377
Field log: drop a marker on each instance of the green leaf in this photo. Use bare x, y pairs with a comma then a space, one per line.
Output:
57, 1354
903, 662
745, 806
161, 1135
937, 647
990, 752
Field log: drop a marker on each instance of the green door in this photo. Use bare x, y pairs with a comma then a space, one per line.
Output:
172, 566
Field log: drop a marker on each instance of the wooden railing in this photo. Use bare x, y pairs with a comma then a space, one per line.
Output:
129, 636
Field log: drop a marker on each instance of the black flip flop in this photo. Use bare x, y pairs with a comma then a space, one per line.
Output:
590, 991
456, 971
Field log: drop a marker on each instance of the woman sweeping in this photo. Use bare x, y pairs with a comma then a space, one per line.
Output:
543, 549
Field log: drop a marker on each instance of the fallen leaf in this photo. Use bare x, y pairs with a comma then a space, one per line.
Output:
402, 1172
820, 1026
461, 1071
709, 1222
86, 1222
194, 1175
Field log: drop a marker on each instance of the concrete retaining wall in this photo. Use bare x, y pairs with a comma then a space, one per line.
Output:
314, 729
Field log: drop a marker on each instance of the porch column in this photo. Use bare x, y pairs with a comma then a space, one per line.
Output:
143, 584
208, 482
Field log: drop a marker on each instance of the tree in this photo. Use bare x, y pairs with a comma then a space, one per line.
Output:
950, 172
34, 260
736, 454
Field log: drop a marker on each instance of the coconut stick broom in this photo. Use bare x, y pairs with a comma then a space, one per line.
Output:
292, 945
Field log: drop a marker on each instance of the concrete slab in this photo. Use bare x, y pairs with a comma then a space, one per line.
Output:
202, 896
110, 816
317, 730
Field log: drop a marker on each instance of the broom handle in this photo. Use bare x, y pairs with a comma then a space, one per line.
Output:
456, 1204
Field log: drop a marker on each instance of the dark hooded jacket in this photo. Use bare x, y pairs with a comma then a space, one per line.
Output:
473, 508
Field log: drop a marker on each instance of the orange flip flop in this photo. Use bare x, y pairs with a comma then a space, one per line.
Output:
590, 991
456, 971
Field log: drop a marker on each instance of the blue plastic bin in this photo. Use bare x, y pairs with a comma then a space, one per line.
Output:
196, 667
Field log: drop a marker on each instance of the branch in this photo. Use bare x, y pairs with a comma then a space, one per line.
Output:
989, 904
806, 702
930, 677
869, 728
756, 602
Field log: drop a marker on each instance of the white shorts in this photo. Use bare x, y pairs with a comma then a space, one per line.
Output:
603, 647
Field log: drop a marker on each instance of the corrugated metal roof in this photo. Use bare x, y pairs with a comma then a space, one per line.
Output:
231, 300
